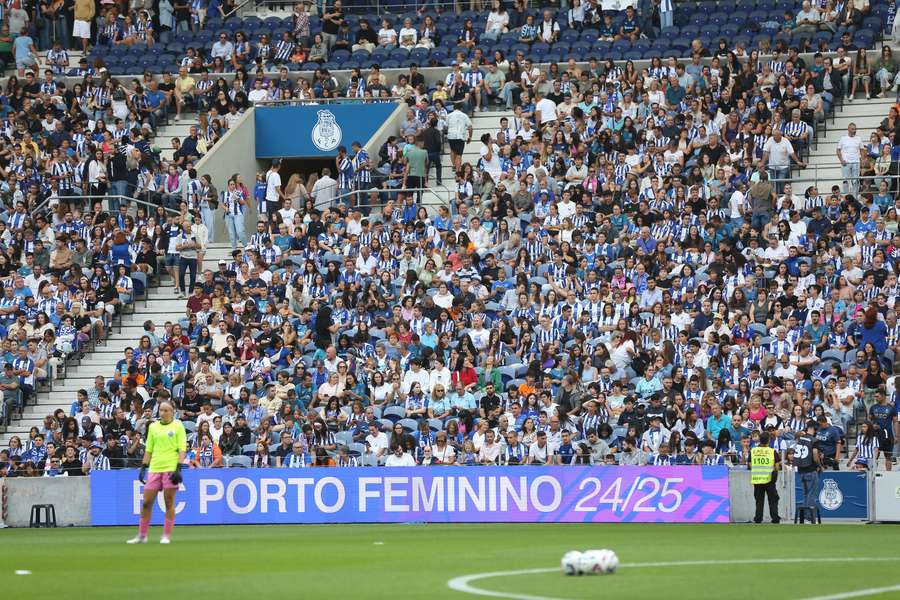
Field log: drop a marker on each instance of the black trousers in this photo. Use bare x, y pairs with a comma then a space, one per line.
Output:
760, 492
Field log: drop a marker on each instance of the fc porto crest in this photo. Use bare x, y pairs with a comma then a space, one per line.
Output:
831, 497
326, 134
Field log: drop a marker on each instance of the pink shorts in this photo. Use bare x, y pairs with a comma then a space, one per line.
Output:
160, 481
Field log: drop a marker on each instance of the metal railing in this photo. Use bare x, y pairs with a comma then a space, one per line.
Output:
375, 8
433, 192
815, 179
319, 101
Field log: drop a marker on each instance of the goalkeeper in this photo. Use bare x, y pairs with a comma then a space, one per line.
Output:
166, 445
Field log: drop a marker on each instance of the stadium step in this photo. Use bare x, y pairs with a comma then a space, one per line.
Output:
823, 166
162, 306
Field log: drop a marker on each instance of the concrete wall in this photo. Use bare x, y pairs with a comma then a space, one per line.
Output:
391, 126
234, 153
70, 496
743, 505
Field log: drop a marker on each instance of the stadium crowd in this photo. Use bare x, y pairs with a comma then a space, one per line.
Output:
625, 276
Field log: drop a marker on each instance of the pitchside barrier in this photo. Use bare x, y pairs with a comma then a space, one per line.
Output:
450, 494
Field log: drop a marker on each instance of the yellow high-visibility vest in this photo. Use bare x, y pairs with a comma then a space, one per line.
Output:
762, 465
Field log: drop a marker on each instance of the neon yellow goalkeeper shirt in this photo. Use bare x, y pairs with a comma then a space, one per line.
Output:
164, 442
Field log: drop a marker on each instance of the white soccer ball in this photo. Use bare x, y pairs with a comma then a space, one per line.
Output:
571, 563
599, 562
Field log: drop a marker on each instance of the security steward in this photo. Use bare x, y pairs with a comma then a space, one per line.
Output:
809, 464
763, 474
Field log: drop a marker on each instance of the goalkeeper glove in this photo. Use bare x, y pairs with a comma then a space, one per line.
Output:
142, 475
176, 477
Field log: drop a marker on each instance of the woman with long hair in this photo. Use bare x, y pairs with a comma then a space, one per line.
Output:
866, 453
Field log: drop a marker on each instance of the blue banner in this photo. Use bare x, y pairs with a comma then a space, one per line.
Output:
841, 495
422, 494
316, 131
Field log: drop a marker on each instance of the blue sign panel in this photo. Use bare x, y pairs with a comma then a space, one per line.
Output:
316, 131
572, 494
841, 495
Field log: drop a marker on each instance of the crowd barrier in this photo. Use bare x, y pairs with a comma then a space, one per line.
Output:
452, 494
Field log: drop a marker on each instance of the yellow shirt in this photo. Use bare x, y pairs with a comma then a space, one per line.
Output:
185, 84
164, 443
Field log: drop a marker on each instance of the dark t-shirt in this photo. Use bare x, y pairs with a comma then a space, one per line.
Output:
329, 26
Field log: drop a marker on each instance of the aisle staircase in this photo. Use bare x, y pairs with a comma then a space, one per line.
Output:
161, 306
823, 165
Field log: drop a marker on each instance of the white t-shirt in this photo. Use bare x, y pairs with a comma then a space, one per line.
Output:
496, 21
386, 36
408, 35
620, 355
404, 460
539, 455
377, 442
779, 152
273, 182
547, 108
257, 95
458, 124
849, 147
735, 204
492, 166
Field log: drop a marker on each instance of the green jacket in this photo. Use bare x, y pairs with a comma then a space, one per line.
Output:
888, 64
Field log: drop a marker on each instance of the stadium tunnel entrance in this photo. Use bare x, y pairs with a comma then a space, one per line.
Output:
305, 167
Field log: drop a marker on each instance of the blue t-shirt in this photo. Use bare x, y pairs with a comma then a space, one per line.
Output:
827, 439
883, 416
566, 453
22, 47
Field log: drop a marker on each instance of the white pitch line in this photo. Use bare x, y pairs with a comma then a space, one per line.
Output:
858, 593
464, 583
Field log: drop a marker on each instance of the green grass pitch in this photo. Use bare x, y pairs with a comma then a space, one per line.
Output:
417, 561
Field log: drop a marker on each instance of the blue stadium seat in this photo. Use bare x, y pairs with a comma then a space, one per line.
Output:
581, 48
570, 36
729, 30
718, 18
391, 64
